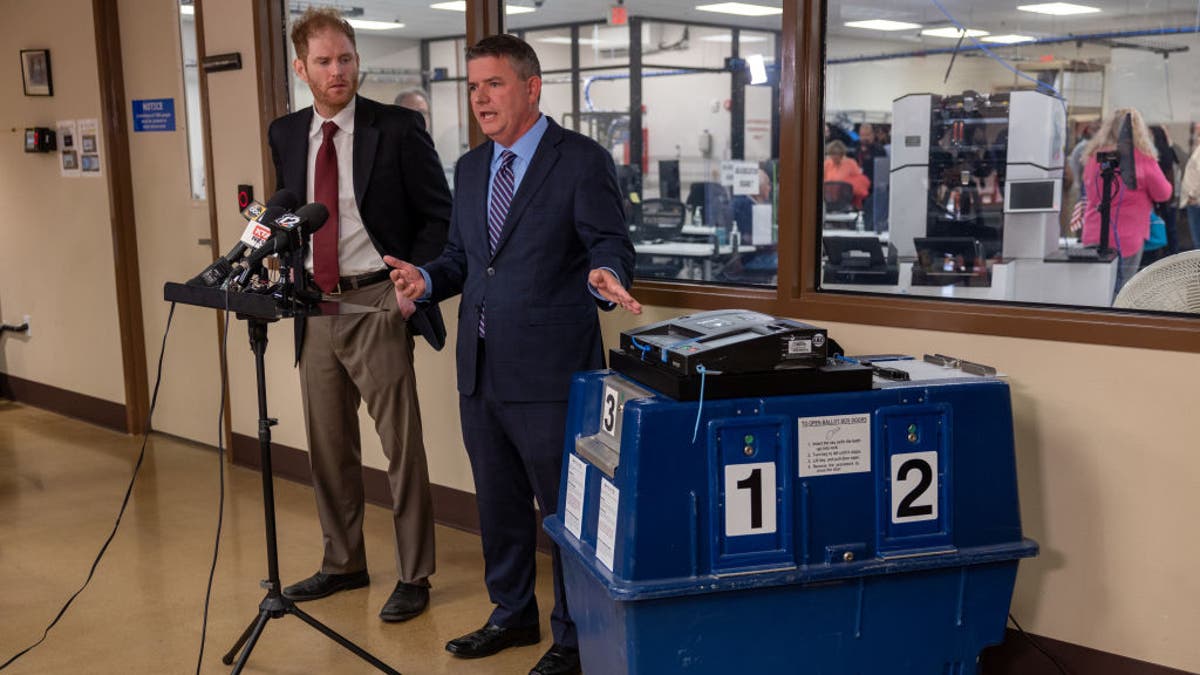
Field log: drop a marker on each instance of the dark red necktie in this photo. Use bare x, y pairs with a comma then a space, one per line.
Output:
325, 191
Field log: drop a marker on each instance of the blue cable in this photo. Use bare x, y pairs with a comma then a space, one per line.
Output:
639, 346
982, 47
700, 408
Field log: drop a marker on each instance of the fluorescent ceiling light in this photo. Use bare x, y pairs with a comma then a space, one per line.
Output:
564, 40
740, 8
952, 32
882, 24
363, 24
758, 69
461, 6
726, 37
187, 10
1059, 8
1009, 39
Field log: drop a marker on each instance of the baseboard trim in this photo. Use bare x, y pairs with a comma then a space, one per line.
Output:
457, 509
1017, 656
64, 402
451, 507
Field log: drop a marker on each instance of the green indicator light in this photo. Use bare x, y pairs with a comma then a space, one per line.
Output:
912, 428
749, 439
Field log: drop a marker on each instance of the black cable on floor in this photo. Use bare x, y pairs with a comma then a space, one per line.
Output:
124, 503
1037, 645
212, 571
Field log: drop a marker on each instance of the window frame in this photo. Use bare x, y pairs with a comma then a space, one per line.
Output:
802, 49
797, 294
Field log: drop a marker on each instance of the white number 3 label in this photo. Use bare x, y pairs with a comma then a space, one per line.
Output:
749, 499
914, 487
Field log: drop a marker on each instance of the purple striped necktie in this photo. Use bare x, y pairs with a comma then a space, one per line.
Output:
502, 194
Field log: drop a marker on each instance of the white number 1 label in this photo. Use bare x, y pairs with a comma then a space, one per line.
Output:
608, 411
749, 499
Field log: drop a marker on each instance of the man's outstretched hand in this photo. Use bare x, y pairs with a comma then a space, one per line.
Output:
409, 284
608, 286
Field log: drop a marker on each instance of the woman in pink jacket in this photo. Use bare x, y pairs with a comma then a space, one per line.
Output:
1129, 225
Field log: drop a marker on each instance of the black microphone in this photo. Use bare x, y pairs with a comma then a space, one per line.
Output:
277, 206
293, 229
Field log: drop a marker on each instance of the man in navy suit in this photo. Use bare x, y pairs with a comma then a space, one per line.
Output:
374, 167
537, 242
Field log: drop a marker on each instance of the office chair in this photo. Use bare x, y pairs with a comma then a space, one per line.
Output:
662, 220
839, 204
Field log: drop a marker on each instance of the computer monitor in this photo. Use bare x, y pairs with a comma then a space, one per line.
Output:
668, 178
859, 260
1032, 196
950, 261
713, 200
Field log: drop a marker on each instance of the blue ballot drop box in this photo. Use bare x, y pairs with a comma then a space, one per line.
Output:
848, 533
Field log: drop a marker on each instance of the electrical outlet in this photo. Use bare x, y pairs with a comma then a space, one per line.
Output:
28, 326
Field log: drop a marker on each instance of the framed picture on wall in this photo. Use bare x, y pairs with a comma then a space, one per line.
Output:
35, 72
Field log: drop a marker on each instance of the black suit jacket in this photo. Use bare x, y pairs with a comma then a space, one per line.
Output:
565, 220
399, 185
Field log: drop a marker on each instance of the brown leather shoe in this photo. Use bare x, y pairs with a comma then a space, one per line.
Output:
558, 660
320, 585
491, 639
406, 602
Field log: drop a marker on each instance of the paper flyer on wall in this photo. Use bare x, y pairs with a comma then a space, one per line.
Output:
90, 160
68, 148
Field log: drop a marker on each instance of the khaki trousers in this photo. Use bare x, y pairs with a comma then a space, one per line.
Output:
366, 357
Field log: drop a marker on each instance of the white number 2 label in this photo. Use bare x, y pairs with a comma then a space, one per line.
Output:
749, 499
914, 487
608, 411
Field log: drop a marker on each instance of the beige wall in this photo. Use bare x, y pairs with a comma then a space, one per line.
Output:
1109, 467
56, 247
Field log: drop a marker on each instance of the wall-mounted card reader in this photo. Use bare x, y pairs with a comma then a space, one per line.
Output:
40, 139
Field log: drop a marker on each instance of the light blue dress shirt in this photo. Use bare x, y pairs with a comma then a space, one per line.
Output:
524, 148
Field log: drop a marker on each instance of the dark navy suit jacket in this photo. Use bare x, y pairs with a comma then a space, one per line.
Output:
399, 186
565, 220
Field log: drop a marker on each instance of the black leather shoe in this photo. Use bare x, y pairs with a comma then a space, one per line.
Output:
559, 660
407, 601
491, 639
320, 585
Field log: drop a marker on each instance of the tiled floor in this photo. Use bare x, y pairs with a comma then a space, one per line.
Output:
61, 484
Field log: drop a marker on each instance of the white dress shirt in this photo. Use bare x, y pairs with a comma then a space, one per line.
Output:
356, 253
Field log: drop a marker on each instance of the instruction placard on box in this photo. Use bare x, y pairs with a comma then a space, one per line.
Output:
576, 487
834, 445
606, 525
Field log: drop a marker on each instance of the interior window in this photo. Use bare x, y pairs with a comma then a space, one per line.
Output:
1029, 154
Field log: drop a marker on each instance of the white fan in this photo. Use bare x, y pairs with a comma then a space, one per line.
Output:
1169, 285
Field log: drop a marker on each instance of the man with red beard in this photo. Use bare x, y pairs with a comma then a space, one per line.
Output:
374, 167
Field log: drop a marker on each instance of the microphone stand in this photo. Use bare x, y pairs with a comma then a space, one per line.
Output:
258, 310
275, 605
1109, 163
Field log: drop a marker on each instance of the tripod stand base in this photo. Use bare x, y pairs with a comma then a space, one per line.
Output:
275, 606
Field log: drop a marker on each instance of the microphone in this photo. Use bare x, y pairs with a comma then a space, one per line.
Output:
293, 229
277, 206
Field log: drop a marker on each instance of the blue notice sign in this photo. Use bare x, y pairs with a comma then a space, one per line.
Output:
154, 114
